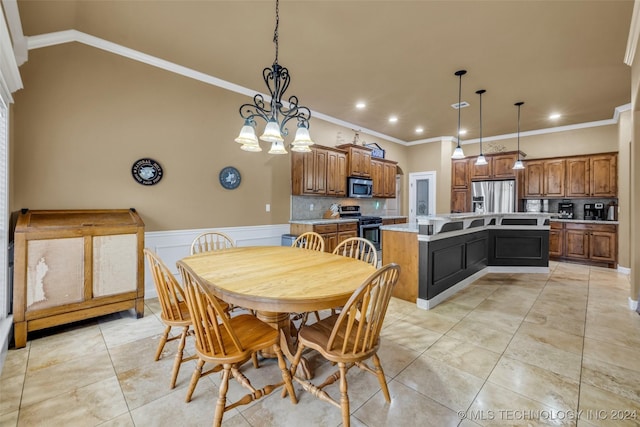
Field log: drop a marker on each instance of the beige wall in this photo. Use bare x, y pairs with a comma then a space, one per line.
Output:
625, 132
85, 116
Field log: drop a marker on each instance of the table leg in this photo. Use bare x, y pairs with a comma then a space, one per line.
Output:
282, 322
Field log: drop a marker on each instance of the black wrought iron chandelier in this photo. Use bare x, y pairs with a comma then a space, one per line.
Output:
276, 112
458, 153
518, 164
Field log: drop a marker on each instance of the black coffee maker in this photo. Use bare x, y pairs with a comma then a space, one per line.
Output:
565, 210
594, 211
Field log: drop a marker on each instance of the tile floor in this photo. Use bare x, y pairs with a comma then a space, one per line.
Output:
518, 349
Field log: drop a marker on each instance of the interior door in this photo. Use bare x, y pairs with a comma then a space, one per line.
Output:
422, 195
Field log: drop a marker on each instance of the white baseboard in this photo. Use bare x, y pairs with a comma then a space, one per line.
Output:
173, 245
633, 305
5, 335
624, 270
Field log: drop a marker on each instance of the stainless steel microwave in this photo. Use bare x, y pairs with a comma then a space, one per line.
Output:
359, 187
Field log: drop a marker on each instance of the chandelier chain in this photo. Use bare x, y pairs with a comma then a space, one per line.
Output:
275, 31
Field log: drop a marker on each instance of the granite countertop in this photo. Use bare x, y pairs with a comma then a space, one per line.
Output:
321, 221
584, 221
393, 216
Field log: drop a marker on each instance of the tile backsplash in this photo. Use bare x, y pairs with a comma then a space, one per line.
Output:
578, 205
309, 207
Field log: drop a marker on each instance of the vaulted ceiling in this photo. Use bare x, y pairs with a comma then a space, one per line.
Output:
399, 57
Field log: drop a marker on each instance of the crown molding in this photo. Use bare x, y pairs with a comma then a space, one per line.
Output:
12, 16
634, 35
69, 36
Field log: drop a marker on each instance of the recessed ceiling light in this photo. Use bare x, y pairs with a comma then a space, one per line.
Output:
360, 105
555, 116
393, 119
419, 129
463, 131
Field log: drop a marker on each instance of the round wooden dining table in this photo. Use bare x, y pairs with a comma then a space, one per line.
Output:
278, 280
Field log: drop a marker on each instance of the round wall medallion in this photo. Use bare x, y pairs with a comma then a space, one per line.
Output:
229, 178
147, 171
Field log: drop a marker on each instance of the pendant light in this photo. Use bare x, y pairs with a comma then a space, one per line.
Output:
481, 160
458, 153
518, 164
276, 112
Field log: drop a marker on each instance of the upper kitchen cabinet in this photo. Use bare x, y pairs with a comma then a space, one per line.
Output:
499, 166
584, 176
383, 174
544, 178
322, 172
460, 173
358, 160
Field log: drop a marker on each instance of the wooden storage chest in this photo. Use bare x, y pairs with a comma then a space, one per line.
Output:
71, 265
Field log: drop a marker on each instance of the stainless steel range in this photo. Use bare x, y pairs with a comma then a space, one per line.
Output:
368, 226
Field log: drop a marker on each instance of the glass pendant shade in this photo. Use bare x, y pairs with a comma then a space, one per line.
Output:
302, 137
277, 147
272, 133
458, 153
247, 135
301, 148
481, 160
253, 148
518, 165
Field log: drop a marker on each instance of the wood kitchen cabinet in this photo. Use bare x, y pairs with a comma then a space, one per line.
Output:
383, 174
322, 172
72, 265
499, 166
333, 233
390, 221
544, 178
460, 186
584, 242
592, 176
358, 160
460, 201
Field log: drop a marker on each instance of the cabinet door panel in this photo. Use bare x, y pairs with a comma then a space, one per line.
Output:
577, 244
554, 178
534, 179
556, 242
603, 246
320, 169
604, 175
502, 165
460, 173
55, 273
480, 171
460, 201
114, 264
577, 177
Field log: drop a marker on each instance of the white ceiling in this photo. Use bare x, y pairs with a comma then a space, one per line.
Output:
397, 56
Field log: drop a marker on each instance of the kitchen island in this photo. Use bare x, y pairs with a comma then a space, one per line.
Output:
442, 254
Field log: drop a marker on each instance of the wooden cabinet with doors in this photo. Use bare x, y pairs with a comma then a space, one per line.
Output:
358, 160
584, 242
332, 232
544, 178
499, 166
383, 174
72, 265
592, 176
322, 172
460, 186
390, 221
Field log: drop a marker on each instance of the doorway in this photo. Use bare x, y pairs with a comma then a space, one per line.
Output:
422, 195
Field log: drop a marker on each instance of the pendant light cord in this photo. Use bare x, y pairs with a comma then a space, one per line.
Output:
459, 108
519, 104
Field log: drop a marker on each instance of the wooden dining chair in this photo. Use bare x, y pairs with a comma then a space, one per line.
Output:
211, 241
358, 248
174, 310
309, 240
228, 343
350, 338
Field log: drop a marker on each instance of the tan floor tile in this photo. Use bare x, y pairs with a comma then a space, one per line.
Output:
451, 310
445, 384
409, 335
15, 362
467, 357
496, 405
9, 419
70, 375
129, 328
618, 355
599, 407
557, 316
62, 347
407, 408
394, 358
541, 385
480, 334
552, 336
432, 321
89, 405
615, 379
123, 420
500, 320
471, 296
544, 356
613, 332
508, 303
11, 393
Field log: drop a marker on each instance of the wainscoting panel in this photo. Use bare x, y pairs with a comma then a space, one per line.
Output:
174, 245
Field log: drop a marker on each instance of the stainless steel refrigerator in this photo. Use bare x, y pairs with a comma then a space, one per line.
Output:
493, 196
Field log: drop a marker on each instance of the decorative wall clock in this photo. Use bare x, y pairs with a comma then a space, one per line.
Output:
229, 178
147, 171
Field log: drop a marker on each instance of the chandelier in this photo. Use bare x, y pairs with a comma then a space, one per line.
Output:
276, 112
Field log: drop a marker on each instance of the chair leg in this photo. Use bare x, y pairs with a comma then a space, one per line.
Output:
222, 396
344, 396
178, 359
294, 365
254, 359
381, 378
197, 373
163, 341
286, 375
